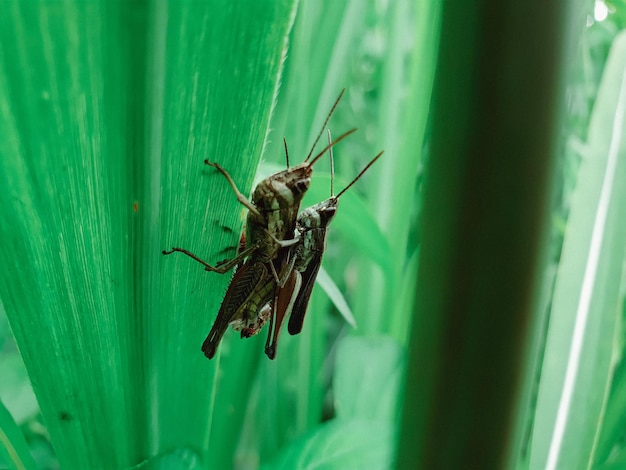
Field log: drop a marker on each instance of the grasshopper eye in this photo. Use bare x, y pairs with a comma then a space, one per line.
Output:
302, 186
327, 214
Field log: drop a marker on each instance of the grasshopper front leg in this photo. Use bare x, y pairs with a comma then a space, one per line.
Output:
222, 267
240, 197
283, 243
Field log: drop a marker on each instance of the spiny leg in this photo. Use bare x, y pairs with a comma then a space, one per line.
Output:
240, 197
284, 275
221, 268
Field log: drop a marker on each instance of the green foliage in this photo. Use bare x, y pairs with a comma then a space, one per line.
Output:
14, 452
366, 382
580, 351
107, 111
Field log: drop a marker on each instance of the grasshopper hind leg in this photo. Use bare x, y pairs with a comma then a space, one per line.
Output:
213, 340
221, 267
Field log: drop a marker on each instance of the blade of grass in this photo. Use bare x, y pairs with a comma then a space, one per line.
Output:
14, 453
610, 441
340, 444
414, 117
292, 387
336, 297
15, 389
367, 379
366, 382
401, 118
316, 64
579, 357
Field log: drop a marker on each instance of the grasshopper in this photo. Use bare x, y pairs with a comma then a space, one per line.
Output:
270, 231
311, 232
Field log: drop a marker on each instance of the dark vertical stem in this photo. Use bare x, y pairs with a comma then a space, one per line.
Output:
495, 109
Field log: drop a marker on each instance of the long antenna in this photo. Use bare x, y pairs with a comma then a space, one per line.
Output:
360, 174
286, 152
332, 144
332, 167
324, 125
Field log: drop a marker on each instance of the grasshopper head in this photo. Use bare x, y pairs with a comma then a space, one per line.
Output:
284, 189
319, 215
296, 180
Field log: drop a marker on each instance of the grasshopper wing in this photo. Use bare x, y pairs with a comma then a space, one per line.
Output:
245, 282
296, 320
283, 304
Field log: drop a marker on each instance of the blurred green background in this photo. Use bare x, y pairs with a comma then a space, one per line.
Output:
107, 111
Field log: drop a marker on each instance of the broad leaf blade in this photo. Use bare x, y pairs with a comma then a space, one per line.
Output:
107, 111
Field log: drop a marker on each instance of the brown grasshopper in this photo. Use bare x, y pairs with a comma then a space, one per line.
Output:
311, 231
270, 231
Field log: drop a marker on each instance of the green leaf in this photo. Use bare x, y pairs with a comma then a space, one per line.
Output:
368, 376
14, 453
178, 459
16, 391
610, 447
579, 357
335, 295
341, 444
402, 113
107, 111
399, 327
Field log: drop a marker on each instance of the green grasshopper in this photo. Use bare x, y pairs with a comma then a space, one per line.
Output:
270, 232
311, 232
